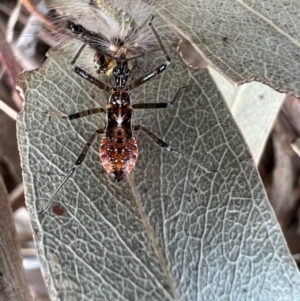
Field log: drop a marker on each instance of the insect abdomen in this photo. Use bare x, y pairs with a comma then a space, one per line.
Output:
118, 156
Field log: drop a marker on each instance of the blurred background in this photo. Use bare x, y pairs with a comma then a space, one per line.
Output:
23, 45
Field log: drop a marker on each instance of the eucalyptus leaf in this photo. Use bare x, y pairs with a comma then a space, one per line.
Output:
254, 107
244, 40
170, 231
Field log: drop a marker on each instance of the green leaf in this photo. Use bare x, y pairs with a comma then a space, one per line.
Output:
244, 40
169, 232
254, 107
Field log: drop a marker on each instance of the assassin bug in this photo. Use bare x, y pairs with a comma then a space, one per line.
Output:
118, 147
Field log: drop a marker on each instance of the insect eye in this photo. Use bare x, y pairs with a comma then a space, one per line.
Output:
75, 28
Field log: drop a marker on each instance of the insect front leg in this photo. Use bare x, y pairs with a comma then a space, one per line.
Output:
77, 114
158, 141
101, 63
78, 162
159, 105
156, 71
101, 85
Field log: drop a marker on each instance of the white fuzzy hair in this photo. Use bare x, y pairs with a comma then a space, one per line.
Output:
120, 26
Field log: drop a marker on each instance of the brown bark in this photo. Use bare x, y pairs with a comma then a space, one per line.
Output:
13, 286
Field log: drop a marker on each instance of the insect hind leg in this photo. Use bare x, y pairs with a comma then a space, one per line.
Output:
78, 162
158, 141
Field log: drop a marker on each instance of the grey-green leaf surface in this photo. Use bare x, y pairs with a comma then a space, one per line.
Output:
169, 232
254, 107
244, 40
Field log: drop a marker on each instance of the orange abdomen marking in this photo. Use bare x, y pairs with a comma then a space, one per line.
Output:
118, 156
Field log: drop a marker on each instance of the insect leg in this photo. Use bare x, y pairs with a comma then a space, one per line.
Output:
159, 105
158, 141
89, 38
101, 85
84, 35
78, 114
78, 162
158, 70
